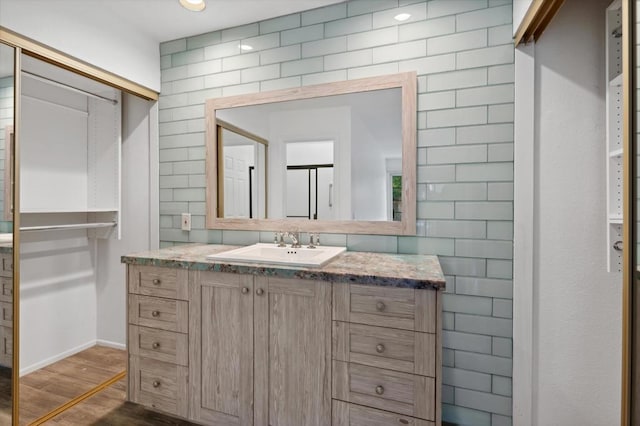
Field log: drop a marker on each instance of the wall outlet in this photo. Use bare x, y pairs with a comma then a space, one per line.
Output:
186, 221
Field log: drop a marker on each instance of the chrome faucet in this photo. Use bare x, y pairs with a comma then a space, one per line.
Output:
314, 240
279, 239
295, 238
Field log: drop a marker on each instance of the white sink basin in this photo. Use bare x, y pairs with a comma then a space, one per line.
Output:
270, 253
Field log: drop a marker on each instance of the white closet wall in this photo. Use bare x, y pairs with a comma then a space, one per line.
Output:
140, 192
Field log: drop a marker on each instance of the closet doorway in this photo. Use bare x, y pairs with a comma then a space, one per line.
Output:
69, 212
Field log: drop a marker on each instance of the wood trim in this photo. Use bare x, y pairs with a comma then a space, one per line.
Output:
17, 105
407, 226
242, 132
220, 173
629, 383
524, 235
40, 51
535, 21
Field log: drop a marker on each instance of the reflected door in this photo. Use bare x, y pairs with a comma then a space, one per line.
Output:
237, 163
310, 192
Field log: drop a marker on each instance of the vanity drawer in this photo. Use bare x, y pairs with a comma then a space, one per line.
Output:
345, 414
172, 283
6, 264
390, 348
6, 314
388, 390
154, 312
159, 385
161, 345
6, 346
6, 289
393, 307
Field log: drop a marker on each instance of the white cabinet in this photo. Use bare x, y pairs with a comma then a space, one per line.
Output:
614, 135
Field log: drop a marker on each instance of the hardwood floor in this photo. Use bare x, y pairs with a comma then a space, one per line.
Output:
108, 408
5, 396
48, 388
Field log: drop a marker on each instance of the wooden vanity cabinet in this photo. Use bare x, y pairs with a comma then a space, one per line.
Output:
157, 338
260, 350
386, 356
239, 349
6, 309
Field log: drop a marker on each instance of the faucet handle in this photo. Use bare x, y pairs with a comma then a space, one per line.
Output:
279, 239
314, 239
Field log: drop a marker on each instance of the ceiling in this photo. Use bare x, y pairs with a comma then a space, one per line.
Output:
153, 20
164, 20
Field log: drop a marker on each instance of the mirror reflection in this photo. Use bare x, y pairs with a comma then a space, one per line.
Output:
7, 83
242, 157
71, 324
329, 158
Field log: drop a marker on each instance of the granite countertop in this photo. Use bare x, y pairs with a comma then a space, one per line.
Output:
6, 242
382, 269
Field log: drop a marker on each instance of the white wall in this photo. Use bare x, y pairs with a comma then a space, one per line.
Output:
115, 46
57, 296
520, 8
310, 125
369, 170
575, 320
139, 216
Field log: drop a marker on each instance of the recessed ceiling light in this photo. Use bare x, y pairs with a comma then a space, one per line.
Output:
246, 47
193, 5
402, 17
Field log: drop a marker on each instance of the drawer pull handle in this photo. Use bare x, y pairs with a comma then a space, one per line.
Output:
245, 290
379, 390
156, 383
380, 306
404, 421
155, 313
380, 348
156, 281
259, 292
155, 345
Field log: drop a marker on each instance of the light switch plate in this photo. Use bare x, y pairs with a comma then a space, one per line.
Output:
186, 221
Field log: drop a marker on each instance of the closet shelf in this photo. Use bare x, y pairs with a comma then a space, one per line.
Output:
616, 81
88, 210
615, 220
615, 153
70, 226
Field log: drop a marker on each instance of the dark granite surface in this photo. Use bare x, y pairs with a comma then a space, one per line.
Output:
381, 269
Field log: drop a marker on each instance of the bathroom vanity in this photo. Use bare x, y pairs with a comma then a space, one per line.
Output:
355, 342
6, 304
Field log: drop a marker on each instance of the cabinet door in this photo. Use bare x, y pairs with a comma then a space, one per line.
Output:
293, 352
221, 348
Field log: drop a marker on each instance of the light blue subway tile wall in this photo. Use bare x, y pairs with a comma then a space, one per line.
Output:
6, 119
463, 53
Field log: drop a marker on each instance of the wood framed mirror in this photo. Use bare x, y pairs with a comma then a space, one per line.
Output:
339, 157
